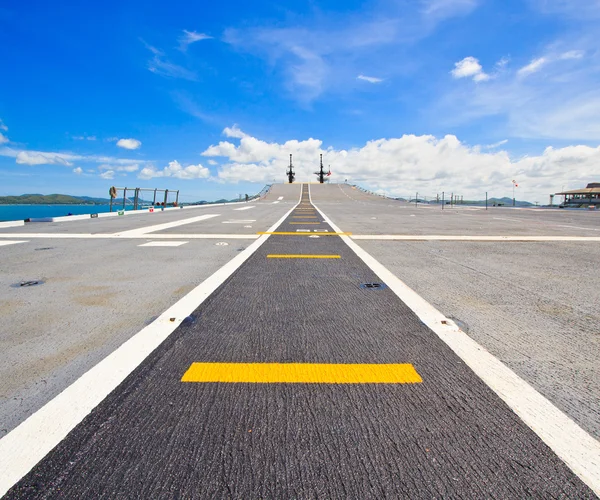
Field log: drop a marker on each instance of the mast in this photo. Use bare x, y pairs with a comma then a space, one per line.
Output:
290, 173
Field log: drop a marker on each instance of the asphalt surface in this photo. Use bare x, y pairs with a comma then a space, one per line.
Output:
158, 437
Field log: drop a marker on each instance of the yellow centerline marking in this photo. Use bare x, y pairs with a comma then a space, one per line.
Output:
305, 223
288, 233
302, 373
301, 256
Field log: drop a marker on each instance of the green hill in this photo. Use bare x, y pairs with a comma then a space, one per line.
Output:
51, 199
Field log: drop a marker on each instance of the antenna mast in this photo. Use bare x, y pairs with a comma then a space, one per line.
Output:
290, 173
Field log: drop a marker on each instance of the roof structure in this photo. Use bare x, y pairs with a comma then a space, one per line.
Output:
591, 188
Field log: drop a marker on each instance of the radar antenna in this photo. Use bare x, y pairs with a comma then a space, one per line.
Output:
321, 174
290, 173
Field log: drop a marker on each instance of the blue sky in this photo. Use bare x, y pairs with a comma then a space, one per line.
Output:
211, 98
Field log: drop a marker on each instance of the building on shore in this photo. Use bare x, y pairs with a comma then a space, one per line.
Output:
588, 196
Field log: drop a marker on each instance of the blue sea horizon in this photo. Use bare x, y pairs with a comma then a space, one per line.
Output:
22, 212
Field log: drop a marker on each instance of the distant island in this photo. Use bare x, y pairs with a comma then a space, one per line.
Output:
51, 199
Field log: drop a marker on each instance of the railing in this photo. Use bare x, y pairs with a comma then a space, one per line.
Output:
114, 194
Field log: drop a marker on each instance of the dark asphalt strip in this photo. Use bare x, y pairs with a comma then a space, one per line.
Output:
447, 437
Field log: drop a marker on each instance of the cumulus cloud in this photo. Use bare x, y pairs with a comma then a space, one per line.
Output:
175, 169
469, 67
120, 168
45, 158
129, 143
411, 163
109, 174
234, 132
77, 170
190, 37
370, 79
532, 67
3, 138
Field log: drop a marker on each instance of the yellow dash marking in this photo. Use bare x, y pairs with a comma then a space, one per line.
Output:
287, 233
305, 223
302, 373
304, 216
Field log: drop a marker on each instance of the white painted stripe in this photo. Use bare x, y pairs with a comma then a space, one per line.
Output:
163, 244
303, 230
166, 225
23, 447
12, 223
239, 221
579, 450
10, 242
245, 208
449, 237
280, 198
274, 203
83, 236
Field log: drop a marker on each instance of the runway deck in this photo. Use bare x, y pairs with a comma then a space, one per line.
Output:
305, 372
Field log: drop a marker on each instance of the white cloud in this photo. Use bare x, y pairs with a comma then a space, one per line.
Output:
77, 170
412, 163
213, 162
234, 132
3, 138
469, 67
109, 174
3, 127
175, 169
129, 143
496, 144
190, 37
84, 137
161, 67
572, 54
370, 79
119, 168
322, 54
42, 158
532, 67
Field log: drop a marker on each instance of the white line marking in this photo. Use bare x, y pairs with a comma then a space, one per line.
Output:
303, 230
23, 447
245, 208
10, 242
166, 225
280, 198
83, 236
163, 244
238, 221
449, 237
274, 203
12, 223
579, 450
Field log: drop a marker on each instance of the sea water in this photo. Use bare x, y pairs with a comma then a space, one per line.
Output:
22, 212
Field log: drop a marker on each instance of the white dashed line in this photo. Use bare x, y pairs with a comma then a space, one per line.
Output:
10, 242
166, 225
245, 208
163, 244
